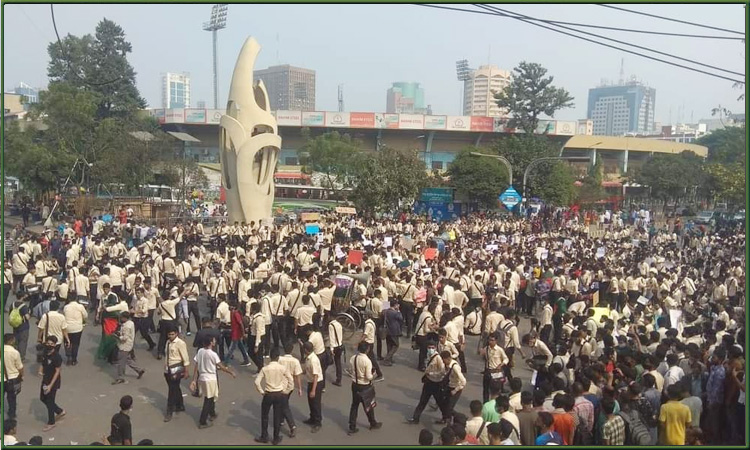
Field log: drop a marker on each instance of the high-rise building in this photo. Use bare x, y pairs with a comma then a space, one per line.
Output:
622, 109
175, 90
30, 94
289, 88
480, 89
405, 97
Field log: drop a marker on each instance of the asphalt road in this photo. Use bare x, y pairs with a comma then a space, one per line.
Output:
90, 401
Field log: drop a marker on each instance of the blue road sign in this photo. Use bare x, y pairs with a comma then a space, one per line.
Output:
510, 198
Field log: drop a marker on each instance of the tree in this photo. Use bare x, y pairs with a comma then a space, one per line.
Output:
672, 176
388, 180
727, 182
38, 168
591, 190
481, 179
529, 95
725, 146
332, 155
553, 183
98, 64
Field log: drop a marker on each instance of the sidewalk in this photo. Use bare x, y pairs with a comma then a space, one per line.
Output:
11, 221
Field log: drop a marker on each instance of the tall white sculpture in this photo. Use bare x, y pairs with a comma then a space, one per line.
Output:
249, 143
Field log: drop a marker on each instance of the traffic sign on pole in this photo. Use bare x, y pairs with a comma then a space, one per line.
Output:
510, 198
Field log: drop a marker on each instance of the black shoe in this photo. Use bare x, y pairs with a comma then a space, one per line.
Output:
159, 357
182, 409
151, 347
336, 383
205, 425
212, 418
308, 421
412, 421
262, 440
352, 431
378, 379
276, 441
140, 374
315, 429
168, 417
376, 425
292, 431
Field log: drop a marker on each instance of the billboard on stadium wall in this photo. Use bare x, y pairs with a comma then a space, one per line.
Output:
391, 121
313, 119
546, 127
586, 127
459, 123
362, 120
195, 116
410, 121
435, 122
159, 115
565, 128
213, 116
175, 115
289, 118
479, 123
337, 119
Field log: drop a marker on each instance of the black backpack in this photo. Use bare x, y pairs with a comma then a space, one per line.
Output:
582, 435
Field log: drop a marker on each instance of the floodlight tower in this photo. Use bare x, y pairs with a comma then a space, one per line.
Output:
218, 22
463, 73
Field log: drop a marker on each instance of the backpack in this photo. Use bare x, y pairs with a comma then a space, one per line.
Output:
582, 435
636, 432
15, 319
502, 334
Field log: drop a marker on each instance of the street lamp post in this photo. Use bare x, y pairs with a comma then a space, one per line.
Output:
507, 163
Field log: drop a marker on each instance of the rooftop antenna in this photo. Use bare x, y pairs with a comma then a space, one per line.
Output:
622, 71
341, 98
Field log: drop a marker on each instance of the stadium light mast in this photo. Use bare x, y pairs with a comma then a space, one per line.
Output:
217, 22
463, 73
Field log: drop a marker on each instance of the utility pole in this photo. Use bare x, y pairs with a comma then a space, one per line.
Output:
217, 22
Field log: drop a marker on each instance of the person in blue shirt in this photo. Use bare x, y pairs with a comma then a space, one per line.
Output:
546, 437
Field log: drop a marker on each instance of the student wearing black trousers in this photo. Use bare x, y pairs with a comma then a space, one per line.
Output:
51, 370
315, 385
271, 382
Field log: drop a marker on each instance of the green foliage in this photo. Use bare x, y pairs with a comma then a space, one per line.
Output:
531, 94
387, 180
98, 64
553, 182
726, 146
672, 176
333, 155
727, 182
37, 167
591, 190
479, 178
521, 150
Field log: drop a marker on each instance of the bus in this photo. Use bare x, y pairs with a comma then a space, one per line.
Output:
302, 192
155, 193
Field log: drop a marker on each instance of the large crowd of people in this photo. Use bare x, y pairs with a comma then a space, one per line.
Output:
637, 333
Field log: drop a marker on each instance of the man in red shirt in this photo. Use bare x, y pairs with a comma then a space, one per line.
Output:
237, 335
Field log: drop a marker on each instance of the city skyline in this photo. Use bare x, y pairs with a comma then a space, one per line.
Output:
367, 71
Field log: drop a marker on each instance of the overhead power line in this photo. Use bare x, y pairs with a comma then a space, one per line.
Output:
691, 61
531, 22
66, 57
602, 27
673, 20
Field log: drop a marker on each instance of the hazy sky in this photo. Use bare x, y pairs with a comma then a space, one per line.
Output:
366, 47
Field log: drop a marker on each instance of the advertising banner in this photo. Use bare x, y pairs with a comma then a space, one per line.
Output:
437, 195
362, 120
159, 114
391, 121
175, 115
195, 116
337, 119
438, 211
459, 123
565, 128
289, 118
586, 127
546, 127
313, 119
435, 122
482, 123
410, 121
213, 116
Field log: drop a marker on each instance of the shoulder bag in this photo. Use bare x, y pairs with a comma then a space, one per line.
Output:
367, 393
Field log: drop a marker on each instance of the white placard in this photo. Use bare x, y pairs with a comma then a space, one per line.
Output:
643, 300
600, 252
388, 241
567, 243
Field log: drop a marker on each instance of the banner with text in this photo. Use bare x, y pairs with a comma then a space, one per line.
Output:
362, 120
337, 119
176, 115
289, 118
459, 123
435, 122
195, 116
410, 121
482, 123
313, 119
